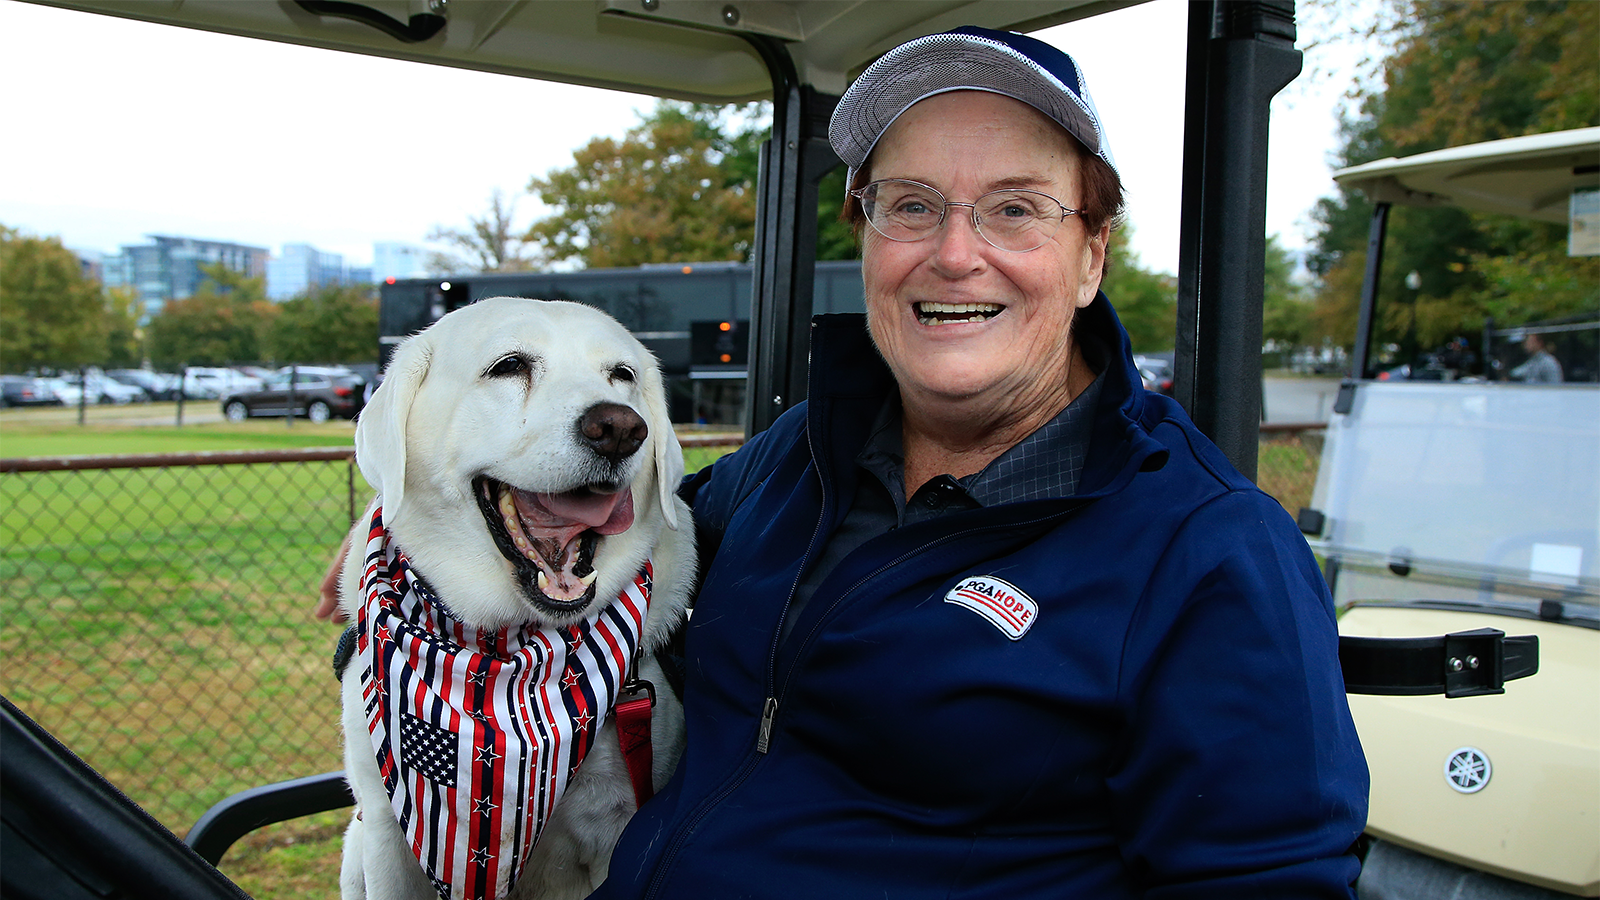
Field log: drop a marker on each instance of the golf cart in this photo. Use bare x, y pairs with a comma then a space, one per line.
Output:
801, 55
1455, 506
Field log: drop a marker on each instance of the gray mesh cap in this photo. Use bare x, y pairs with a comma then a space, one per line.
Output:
966, 59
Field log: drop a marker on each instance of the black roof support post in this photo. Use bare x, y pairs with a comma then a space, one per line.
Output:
793, 161
1360, 361
1241, 53
1361, 358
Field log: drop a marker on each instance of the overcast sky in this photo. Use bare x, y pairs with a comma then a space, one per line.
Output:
119, 129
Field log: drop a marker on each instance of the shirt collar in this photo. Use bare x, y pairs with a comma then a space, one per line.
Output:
1045, 464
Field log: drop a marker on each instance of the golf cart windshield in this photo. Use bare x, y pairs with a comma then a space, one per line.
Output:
1473, 492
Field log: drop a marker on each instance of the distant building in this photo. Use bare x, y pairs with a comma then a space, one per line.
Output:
301, 268
90, 263
169, 268
392, 260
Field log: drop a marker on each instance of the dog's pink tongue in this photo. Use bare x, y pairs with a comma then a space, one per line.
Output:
605, 513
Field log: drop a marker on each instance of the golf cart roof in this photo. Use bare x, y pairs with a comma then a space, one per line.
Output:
683, 49
1531, 176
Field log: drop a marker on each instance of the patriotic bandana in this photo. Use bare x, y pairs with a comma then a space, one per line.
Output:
477, 733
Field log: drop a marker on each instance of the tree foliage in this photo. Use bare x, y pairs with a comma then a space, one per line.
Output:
1146, 301
1461, 72
679, 187
1286, 303
124, 338
336, 323
51, 316
490, 243
225, 321
835, 238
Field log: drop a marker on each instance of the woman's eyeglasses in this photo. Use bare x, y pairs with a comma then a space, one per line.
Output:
1013, 219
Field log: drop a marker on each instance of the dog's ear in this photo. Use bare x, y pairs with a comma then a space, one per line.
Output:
669, 453
381, 427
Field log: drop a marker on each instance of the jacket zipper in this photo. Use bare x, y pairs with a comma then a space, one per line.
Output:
772, 702
764, 736
769, 706
769, 709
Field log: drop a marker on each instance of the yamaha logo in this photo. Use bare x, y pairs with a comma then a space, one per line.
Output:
1467, 770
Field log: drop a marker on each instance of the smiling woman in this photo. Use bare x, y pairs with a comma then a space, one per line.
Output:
981, 525
972, 387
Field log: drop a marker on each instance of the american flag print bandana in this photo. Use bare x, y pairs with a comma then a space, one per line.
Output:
477, 733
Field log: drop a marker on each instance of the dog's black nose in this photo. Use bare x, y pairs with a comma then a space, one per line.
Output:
612, 430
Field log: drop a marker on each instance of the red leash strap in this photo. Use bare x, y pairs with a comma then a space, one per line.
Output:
633, 733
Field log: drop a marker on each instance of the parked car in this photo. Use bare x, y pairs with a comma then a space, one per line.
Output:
21, 390
66, 394
214, 383
320, 371
1156, 373
100, 388
319, 395
157, 385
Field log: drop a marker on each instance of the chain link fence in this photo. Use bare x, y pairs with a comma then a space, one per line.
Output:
157, 610
157, 616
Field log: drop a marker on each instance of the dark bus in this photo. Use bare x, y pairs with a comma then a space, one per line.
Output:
693, 316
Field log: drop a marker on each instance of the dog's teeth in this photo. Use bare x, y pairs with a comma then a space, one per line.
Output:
507, 505
589, 578
544, 581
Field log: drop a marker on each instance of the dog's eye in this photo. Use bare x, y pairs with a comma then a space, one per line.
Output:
624, 373
510, 365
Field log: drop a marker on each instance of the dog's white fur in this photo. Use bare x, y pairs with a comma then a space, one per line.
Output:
439, 420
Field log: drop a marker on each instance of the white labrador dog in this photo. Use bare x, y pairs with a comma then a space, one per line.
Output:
525, 466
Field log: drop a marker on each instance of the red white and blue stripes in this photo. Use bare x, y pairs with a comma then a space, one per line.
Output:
476, 734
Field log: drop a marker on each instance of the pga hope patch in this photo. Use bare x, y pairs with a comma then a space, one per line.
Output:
1002, 603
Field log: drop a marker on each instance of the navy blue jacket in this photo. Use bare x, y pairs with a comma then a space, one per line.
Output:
1172, 723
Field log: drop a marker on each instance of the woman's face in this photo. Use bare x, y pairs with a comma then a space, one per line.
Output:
959, 321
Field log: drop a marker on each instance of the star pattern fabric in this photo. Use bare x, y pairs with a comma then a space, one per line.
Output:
476, 734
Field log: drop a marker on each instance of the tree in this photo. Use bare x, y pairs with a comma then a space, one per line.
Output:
336, 323
1146, 301
225, 321
835, 239
679, 187
50, 314
1286, 303
1462, 73
490, 243
124, 338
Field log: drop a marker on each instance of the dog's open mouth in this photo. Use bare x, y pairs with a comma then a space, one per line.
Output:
552, 538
